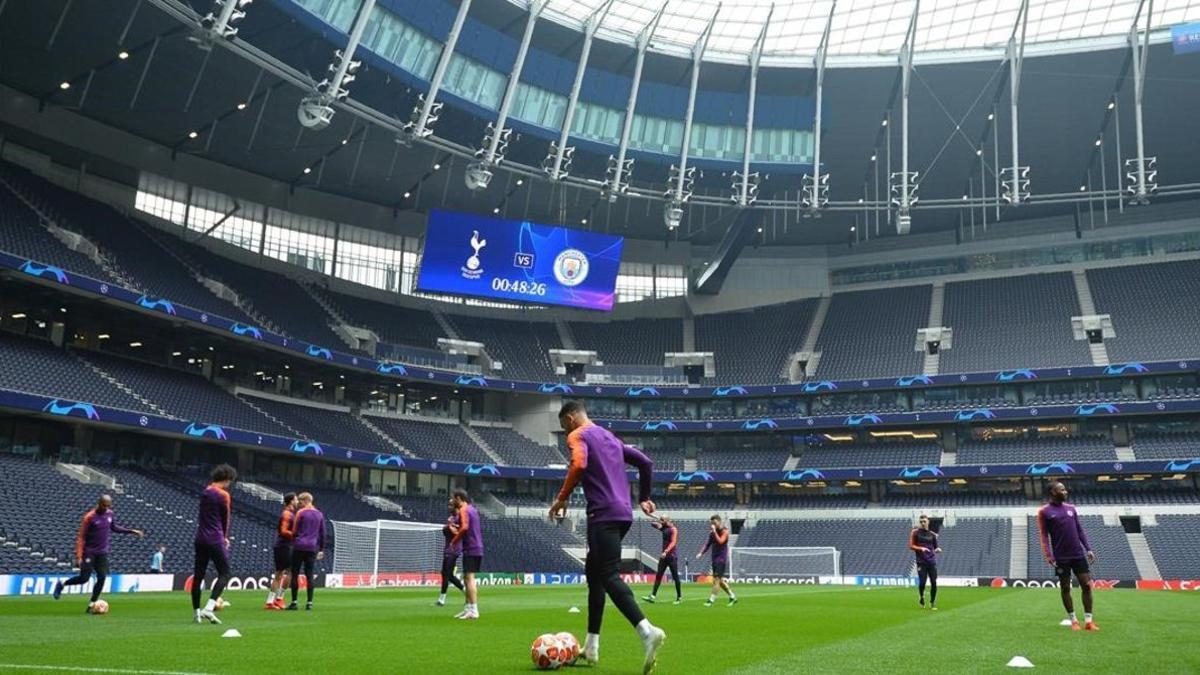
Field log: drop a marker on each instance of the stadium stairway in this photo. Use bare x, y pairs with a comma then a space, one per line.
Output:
1142, 556
565, 336
1087, 306
108, 377
338, 317
483, 445
444, 323
1018, 555
391, 442
937, 300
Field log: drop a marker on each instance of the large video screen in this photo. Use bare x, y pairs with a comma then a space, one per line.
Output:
467, 254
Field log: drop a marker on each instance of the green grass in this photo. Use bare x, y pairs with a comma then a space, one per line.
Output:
772, 630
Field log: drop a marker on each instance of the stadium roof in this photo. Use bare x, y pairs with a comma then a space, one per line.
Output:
863, 28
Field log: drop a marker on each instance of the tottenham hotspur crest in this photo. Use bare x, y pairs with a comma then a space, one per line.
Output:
473, 269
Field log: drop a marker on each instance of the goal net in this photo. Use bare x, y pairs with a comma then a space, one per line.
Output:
784, 561
376, 553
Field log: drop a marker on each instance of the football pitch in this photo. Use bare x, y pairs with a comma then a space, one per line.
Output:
772, 630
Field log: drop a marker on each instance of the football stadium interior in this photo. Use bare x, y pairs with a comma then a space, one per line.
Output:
831, 265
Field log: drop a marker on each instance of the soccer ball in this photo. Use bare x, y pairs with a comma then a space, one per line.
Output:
571, 647
548, 652
100, 607
221, 604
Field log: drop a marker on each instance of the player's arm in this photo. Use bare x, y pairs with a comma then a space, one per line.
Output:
704, 548
674, 541
575, 471
1087, 545
645, 467
722, 537
83, 526
226, 514
912, 542
464, 524
937, 543
121, 529
321, 540
1044, 537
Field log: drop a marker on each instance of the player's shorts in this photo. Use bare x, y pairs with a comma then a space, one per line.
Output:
926, 567
283, 557
718, 569
97, 563
1063, 568
472, 564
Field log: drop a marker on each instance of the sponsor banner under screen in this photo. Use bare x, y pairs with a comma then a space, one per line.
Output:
43, 584
1169, 585
1007, 582
239, 582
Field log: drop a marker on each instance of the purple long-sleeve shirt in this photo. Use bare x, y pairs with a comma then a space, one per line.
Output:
95, 531
1061, 533
453, 546
923, 543
214, 519
718, 543
598, 460
308, 530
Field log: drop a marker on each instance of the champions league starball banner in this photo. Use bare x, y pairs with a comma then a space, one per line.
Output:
467, 254
43, 584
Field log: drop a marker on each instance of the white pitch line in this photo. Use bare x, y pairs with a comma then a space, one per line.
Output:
81, 669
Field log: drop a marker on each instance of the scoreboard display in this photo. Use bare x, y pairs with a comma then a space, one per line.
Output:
466, 254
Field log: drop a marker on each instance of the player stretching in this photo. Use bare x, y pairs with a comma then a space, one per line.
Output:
283, 553
668, 559
450, 553
308, 546
91, 548
598, 459
924, 543
1067, 549
468, 537
718, 543
212, 540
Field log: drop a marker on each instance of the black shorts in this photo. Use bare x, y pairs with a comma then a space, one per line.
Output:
718, 569
283, 558
1063, 568
211, 553
97, 564
472, 564
928, 568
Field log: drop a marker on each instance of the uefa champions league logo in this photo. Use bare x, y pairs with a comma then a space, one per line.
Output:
571, 267
473, 268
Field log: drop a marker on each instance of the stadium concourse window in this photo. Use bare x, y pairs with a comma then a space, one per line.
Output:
642, 281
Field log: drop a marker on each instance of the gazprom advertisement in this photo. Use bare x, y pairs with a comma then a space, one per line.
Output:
466, 254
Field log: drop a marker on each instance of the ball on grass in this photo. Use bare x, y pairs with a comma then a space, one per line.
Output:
100, 607
571, 646
548, 652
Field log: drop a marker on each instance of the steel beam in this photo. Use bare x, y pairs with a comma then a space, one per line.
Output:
748, 184
816, 189
615, 185
559, 152
679, 193
420, 126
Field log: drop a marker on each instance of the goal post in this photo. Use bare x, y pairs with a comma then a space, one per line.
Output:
784, 561
381, 552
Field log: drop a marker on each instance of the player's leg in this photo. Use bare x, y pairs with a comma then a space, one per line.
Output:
658, 577
310, 561
1085, 585
1064, 587
728, 591
674, 566
596, 599
100, 565
922, 580
199, 569
609, 539
933, 576
297, 561
85, 573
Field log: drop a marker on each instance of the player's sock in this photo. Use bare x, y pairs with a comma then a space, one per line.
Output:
270, 597
441, 599
1087, 617
591, 647
1071, 616
712, 597
210, 605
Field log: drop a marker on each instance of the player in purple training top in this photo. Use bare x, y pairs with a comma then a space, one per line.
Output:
598, 460
468, 535
91, 548
1067, 549
212, 540
668, 560
308, 546
718, 543
450, 552
923, 542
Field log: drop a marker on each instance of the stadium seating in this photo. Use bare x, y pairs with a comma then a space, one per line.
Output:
432, 439
850, 455
748, 459
1114, 558
1153, 310
1051, 449
186, 396
1179, 445
393, 323
976, 547
37, 367
809, 501
952, 498
321, 424
857, 539
1175, 543
22, 235
641, 342
753, 347
873, 333
523, 346
1012, 322
518, 450
528, 544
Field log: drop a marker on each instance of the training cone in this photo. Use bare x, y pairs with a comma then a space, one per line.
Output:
1019, 662
1065, 622
231, 633
573, 610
